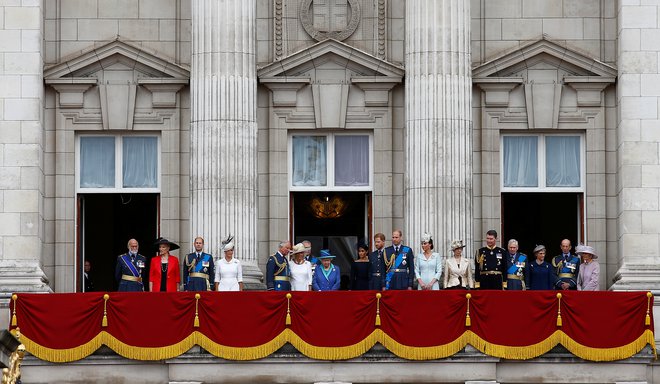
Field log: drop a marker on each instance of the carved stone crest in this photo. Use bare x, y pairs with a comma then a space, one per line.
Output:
329, 19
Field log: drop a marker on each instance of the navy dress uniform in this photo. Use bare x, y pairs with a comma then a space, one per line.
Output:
516, 271
199, 273
399, 267
128, 272
489, 268
377, 276
278, 275
567, 267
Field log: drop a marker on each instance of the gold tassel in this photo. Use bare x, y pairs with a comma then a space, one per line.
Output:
559, 310
104, 323
648, 308
378, 296
468, 322
288, 309
196, 322
14, 322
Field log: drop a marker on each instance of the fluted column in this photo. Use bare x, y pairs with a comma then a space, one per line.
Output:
437, 140
223, 132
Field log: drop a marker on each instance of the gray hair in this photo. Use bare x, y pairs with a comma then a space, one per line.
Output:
513, 241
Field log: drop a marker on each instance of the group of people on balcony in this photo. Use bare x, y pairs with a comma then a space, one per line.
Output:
386, 268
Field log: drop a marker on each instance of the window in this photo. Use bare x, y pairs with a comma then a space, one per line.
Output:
330, 161
118, 163
548, 162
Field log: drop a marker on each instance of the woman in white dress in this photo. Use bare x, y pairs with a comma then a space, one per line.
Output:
458, 271
228, 271
301, 269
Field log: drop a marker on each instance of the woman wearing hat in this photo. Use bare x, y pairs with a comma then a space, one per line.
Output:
326, 276
361, 269
301, 269
458, 272
164, 268
428, 266
589, 269
541, 274
228, 271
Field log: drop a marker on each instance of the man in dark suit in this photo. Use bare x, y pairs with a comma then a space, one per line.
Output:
399, 264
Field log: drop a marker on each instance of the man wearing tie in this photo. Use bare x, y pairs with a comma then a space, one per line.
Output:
128, 271
399, 264
567, 267
377, 277
199, 273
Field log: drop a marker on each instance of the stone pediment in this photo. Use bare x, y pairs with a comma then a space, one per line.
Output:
543, 53
543, 69
116, 54
330, 54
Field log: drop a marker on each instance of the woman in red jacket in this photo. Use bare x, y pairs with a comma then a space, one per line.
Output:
164, 273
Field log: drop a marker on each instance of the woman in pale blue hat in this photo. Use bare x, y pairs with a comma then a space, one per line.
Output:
326, 276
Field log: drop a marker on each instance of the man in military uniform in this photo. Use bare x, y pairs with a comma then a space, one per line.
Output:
278, 275
399, 264
128, 271
199, 271
490, 265
567, 267
377, 260
516, 267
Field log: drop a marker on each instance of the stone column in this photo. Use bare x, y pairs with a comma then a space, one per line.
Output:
437, 140
21, 150
637, 144
223, 152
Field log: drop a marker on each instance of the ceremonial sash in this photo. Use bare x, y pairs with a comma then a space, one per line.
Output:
561, 266
200, 266
127, 261
513, 270
390, 270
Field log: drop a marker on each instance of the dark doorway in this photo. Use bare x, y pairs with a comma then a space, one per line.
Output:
332, 220
541, 218
107, 222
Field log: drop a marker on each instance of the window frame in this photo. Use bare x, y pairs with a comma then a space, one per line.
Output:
330, 162
119, 158
541, 163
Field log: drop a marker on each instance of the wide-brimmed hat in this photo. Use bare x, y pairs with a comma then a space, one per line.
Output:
539, 248
325, 254
586, 249
298, 248
228, 247
457, 244
162, 240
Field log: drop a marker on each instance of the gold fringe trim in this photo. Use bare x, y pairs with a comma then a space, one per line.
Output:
334, 353
609, 354
245, 353
513, 353
63, 355
423, 353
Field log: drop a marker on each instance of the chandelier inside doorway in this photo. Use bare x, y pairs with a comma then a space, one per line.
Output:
327, 207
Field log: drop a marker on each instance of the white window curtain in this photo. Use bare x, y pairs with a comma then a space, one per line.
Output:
520, 161
309, 161
562, 157
140, 162
97, 162
351, 160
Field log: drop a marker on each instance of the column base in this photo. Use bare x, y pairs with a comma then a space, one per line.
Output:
637, 277
22, 276
253, 279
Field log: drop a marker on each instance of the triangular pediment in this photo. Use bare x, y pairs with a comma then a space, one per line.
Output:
116, 55
330, 55
542, 54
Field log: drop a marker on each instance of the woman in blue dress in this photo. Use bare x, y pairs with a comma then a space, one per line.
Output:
361, 269
326, 276
541, 275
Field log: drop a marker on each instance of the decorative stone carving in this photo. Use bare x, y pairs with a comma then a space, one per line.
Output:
277, 23
381, 39
330, 19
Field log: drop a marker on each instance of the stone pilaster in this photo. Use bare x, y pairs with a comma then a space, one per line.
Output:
437, 140
638, 165
21, 149
223, 152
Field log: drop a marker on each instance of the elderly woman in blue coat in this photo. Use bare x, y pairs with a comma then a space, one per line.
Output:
326, 276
